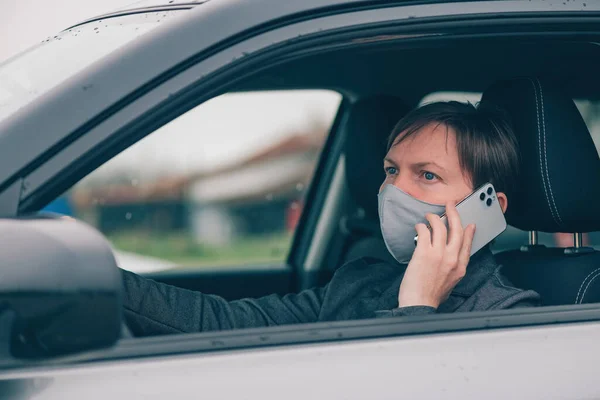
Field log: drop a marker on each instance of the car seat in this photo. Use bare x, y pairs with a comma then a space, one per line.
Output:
558, 189
370, 122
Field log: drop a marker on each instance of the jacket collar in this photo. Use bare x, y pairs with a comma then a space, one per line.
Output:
481, 266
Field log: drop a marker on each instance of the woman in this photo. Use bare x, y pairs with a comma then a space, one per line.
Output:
437, 155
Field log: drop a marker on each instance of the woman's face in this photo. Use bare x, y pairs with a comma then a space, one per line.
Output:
426, 166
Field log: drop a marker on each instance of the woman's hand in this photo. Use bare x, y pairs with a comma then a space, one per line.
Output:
439, 261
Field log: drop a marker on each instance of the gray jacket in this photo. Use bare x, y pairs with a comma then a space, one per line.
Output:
364, 288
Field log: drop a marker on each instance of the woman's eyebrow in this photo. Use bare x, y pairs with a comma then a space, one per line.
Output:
428, 163
389, 160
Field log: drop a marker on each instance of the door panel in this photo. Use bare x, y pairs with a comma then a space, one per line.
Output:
231, 283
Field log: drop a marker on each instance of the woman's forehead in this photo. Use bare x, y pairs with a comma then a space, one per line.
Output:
433, 142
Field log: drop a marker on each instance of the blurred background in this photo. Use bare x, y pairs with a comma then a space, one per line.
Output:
221, 186
25, 23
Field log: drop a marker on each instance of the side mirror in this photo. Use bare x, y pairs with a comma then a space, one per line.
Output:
60, 288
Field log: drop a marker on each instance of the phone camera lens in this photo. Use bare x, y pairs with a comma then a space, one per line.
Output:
482, 196
489, 191
489, 202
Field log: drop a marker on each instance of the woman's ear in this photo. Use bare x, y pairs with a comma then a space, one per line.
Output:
502, 200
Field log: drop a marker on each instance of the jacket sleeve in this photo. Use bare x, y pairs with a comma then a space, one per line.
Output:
522, 298
153, 308
406, 311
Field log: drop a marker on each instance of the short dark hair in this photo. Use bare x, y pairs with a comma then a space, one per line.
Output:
486, 144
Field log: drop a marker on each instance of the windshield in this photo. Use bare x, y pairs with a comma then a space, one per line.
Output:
43, 67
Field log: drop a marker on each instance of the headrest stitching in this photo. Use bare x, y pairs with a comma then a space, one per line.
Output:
537, 110
583, 283
587, 287
559, 222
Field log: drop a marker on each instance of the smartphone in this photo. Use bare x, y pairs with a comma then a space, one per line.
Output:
482, 209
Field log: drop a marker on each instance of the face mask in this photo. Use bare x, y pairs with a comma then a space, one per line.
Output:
398, 214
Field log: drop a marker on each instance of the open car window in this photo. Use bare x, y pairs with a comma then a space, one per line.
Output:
221, 186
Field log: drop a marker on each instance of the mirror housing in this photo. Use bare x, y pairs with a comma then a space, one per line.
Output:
60, 281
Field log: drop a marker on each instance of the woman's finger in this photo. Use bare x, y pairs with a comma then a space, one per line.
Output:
467, 242
455, 236
424, 241
438, 231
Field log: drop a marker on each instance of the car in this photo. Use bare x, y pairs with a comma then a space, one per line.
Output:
239, 144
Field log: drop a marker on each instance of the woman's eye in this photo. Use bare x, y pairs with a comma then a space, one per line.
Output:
429, 176
390, 170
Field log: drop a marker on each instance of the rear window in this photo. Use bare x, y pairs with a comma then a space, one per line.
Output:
589, 109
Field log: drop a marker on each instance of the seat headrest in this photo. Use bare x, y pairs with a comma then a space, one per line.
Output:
370, 122
559, 181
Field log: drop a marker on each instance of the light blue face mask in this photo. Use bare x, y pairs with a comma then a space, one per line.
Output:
399, 212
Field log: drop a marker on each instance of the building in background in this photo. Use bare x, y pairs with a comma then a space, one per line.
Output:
260, 195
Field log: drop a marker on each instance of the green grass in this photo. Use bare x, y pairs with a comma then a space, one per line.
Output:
181, 249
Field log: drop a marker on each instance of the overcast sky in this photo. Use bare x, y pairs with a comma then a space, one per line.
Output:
24, 23
218, 132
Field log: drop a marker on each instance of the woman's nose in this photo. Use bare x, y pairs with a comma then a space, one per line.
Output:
405, 184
